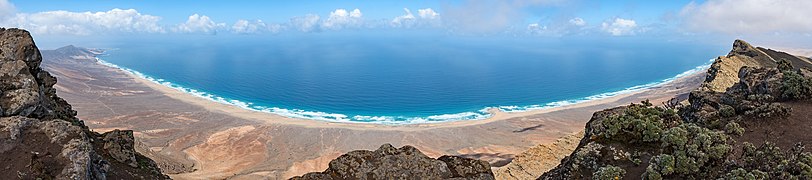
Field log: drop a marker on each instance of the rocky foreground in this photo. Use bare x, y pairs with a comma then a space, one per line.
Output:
40, 136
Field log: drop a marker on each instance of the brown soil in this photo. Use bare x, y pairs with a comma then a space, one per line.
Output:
785, 132
33, 156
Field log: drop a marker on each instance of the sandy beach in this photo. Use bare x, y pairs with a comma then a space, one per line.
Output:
194, 138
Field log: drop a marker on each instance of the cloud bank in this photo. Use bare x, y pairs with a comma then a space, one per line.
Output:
85, 23
749, 16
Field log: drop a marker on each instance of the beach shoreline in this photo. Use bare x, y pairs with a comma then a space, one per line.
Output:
191, 137
495, 114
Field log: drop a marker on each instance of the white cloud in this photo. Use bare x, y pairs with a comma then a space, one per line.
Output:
535, 28
749, 16
577, 21
6, 8
620, 27
86, 23
341, 18
426, 17
428, 13
306, 23
199, 24
405, 20
247, 27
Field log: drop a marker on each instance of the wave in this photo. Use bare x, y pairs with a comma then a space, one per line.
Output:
393, 120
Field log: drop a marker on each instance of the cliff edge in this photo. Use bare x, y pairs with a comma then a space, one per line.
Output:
40, 136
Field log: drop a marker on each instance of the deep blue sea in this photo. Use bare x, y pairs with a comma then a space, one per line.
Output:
405, 79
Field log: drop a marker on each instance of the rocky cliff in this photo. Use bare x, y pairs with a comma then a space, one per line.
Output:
723, 73
407, 162
753, 128
40, 137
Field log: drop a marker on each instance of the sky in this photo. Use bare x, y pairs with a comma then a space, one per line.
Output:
774, 22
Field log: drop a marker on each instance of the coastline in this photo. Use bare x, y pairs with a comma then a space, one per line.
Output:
495, 113
192, 137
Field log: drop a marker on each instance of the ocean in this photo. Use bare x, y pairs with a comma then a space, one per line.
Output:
406, 79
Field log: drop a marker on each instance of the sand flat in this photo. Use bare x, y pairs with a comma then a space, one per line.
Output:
190, 126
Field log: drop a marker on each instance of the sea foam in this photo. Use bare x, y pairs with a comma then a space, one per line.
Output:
394, 120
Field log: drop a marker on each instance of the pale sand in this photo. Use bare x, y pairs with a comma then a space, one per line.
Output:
278, 119
183, 132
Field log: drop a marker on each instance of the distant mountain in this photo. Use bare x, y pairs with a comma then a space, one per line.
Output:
40, 136
71, 52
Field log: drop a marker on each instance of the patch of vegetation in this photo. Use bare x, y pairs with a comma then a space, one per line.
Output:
796, 86
639, 123
688, 148
770, 162
726, 110
734, 128
767, 110
609, 172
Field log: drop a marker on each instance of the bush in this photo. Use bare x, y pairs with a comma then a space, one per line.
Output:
768, 110
726, 111
609, 172
686, 149
741, 174
777, 164
795, 86
638, 124
734, 128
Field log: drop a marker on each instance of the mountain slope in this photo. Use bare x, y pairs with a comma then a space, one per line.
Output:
40, 137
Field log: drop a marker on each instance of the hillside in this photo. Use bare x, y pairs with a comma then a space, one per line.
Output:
40, 136
755, 128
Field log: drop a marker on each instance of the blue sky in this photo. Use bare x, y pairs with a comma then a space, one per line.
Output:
768, 21
177, 11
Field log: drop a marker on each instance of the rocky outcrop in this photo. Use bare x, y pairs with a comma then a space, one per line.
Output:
696, 141
40, 137
531, 163
723, 73
407, 162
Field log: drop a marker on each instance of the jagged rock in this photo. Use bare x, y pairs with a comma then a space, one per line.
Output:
40, 137
119, 144
388, 162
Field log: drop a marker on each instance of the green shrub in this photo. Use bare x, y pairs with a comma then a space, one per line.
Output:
784, 65
638, 124
609, 172
734, 128
795, 86
777, 164
741, 174
726, 111
768, 110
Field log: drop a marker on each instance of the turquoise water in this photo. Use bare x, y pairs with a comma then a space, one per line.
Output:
404, 80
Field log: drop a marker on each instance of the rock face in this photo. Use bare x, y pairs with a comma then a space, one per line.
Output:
531, 163
40, 137
401, 163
